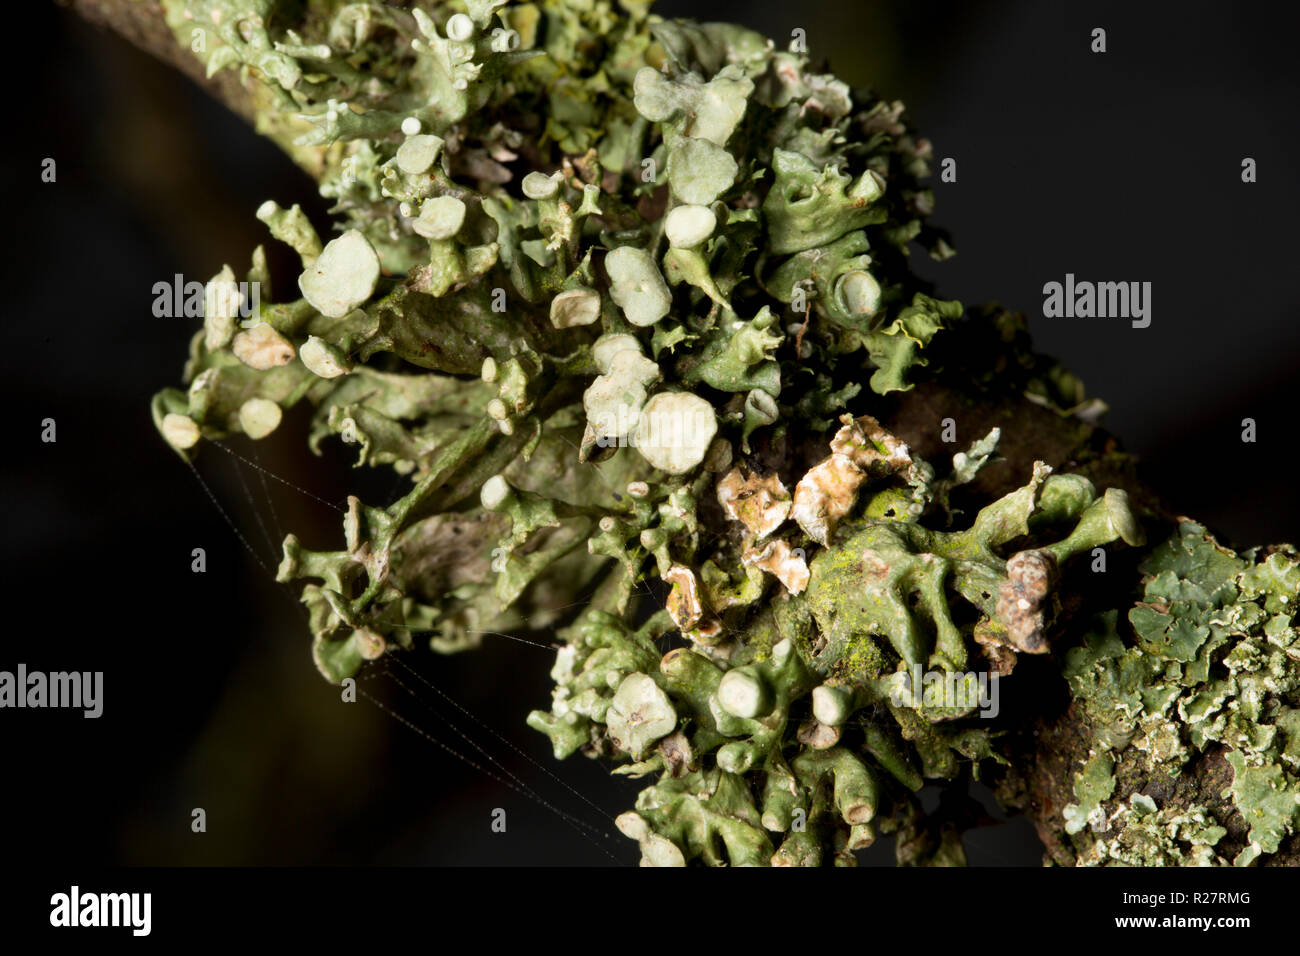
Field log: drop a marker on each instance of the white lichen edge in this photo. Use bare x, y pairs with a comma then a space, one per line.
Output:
343, 276
674, 431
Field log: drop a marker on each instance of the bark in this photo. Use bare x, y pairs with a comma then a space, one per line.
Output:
142, 23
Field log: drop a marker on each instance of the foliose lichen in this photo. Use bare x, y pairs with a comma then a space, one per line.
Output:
622, 298
1208, 677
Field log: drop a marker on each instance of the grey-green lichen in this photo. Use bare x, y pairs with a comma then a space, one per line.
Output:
1211, 670
621, 297
513, 184
802, 707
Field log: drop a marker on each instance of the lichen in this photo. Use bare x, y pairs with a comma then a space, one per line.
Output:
605, 287
1210, 669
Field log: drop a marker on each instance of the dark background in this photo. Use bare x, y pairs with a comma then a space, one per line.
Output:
1123, 166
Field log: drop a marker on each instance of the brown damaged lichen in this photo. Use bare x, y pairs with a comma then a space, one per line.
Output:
761, 504
782, 561
862, 450
1031, 578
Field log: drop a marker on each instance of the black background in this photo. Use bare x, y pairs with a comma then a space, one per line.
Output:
1122, 166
